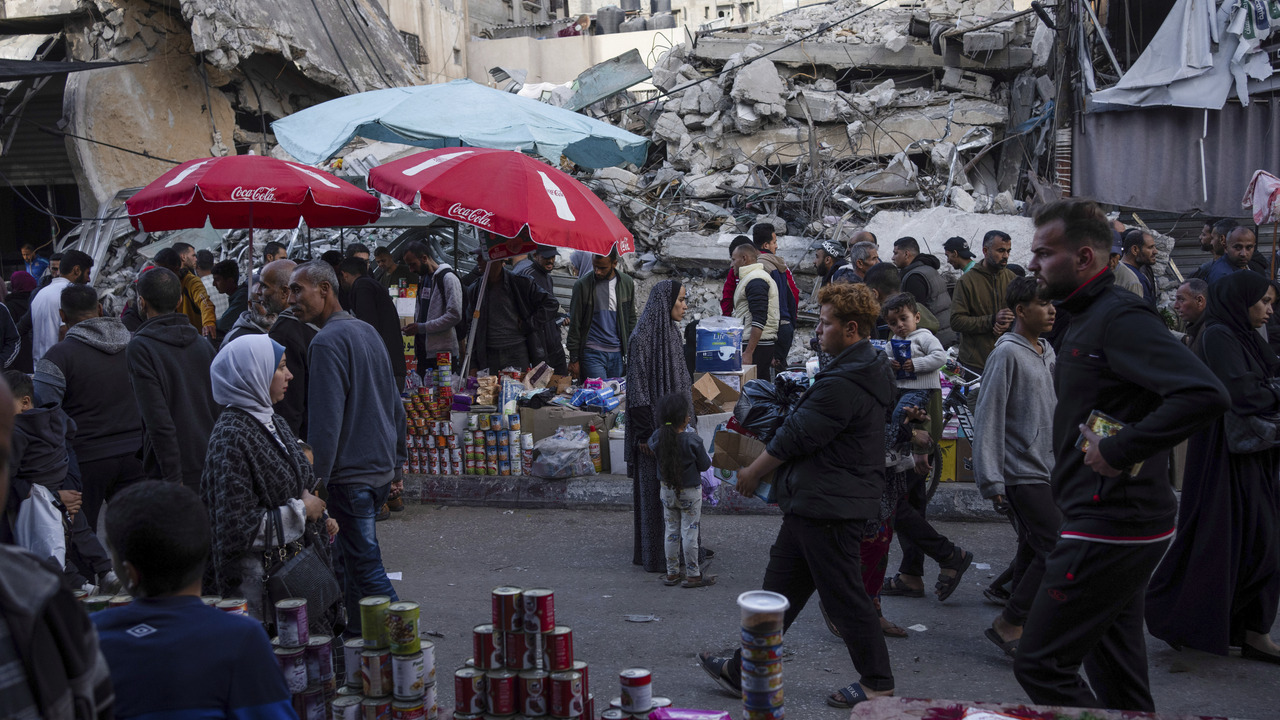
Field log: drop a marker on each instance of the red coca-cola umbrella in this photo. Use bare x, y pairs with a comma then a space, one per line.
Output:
249, 191
511, 195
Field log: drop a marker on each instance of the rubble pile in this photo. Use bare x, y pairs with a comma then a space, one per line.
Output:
906, 108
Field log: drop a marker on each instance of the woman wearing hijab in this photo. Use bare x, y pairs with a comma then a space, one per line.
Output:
254, 467
18, 302
655, 367
1219, 583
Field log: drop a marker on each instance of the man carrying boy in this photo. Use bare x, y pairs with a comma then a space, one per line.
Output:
159, 537
1013, 446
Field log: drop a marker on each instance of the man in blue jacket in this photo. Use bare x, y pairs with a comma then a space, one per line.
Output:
829, 461
355, 423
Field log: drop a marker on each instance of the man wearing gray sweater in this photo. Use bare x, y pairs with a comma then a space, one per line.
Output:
1013, 447
356, 425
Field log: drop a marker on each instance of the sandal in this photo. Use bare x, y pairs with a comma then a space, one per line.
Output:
896, 587
891, 629
849, 695
996, 596
1010, 647
703, 580
669, 580
717, 668
948, 584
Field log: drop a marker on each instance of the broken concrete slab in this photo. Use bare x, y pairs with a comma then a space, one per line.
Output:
720, 46
758, 82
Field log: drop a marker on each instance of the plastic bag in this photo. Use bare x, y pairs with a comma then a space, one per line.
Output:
39, 526
761, 409
563, 455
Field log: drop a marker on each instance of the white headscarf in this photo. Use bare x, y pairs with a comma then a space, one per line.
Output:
242, 373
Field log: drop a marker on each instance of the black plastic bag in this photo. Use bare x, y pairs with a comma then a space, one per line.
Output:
761, 408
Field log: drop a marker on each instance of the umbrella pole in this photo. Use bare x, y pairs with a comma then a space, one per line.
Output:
342, 241
475, 320
1274, 224
455, 244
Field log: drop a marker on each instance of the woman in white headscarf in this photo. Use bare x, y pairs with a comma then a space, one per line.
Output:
253, 468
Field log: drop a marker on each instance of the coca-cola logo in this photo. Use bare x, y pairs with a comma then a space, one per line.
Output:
260, 194
475, 216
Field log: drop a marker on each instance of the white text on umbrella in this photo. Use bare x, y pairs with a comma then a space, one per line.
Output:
557, 198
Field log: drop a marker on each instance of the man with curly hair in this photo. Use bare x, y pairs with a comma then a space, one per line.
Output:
828, 460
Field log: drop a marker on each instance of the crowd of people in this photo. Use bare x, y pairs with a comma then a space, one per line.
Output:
224, 437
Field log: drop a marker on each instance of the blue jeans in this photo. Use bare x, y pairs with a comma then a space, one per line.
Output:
600, 364
354, 507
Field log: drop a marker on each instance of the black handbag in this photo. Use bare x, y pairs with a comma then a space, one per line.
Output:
297, 570
1251, 433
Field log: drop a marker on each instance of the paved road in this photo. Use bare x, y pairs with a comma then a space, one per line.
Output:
451, 557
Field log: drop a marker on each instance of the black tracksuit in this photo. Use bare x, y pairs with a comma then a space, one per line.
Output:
830, 484
1116, 357
295, 336
169, 370
372, 303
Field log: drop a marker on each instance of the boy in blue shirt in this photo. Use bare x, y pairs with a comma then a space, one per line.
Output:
170, 655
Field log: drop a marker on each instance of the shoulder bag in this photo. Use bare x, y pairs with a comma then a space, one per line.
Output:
297, 570
1251, 433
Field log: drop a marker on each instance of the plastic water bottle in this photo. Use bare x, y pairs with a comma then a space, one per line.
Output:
594, 448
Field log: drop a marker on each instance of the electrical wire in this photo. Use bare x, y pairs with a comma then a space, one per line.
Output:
39, 208
354, 85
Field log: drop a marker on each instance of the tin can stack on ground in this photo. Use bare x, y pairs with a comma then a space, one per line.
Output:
305, 660
94, 603
762, 613
492, 445
390, 670
523, 663
431, 443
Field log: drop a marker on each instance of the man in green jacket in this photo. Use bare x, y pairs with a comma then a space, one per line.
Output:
602, 314
978, 312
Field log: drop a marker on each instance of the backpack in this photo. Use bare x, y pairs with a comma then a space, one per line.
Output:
459, 330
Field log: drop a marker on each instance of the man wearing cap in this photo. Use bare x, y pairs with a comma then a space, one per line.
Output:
978, 311
537, 267
959, 256
832, 265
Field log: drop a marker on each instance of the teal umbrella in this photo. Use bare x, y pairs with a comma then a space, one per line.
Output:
457, 113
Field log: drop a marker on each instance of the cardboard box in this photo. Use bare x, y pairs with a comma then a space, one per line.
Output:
544, 421
957, 460
734, 451
711, 395
737, 380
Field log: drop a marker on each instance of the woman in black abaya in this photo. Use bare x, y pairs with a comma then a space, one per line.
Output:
1219, 584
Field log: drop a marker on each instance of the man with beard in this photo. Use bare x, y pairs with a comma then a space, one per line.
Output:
1139, 250
978, 312
1190, 302
920, 278
1237, 252
1117, 504
273, 295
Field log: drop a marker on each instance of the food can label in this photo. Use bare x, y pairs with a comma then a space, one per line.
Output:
409, 676
762, 700
293, 665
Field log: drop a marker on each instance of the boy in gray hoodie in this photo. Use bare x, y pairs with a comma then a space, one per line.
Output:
1013, 447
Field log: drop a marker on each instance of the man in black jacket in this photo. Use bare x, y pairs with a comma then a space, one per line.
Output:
920, 278
52, 667
371, 303
1117, 358
829, 461
169, 370
226, 280
87, 373
541, 262
513, 309
272, 292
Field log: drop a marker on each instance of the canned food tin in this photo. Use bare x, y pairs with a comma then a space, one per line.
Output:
495, 422
293, 665
430, 702
492, 467
484, 421
468, 691
487, 646
763, 713
373, 621
408, 676
761, 683
408, 710
580, 666
442, 441
491, 453
477, 437
504, 467
661, 702
613, 714
520, 650
211, 600
589, 707
402, 628
351, 651
235, 606
559, 648
376, 708
491, 439
451, 441
762, 654
762, 700
504, 454
567, 699
310, 704
533, 692
375, 672
500, 690
507, 608
539, 610
291, 622
320, 658
513, 439
429, 661
346, 707
119, 601
751, 639
513, 422
637, 689
473, 422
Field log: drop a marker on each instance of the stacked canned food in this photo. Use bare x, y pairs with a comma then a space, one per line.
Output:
492, 445
390, 671
523, 663
305, 660
94, 603
431, 444
636, 699
762, 613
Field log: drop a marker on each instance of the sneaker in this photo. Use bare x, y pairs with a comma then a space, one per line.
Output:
996, 596
716, 667
396, 505
109, 584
